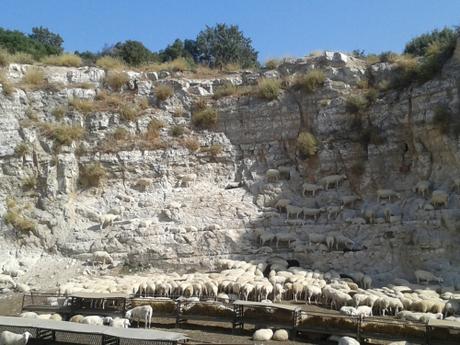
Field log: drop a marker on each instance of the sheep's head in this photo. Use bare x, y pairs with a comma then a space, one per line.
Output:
26, 336
128, 314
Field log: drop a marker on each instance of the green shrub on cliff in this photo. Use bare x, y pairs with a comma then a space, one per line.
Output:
268, 89
307, 144
309, 82
206, 118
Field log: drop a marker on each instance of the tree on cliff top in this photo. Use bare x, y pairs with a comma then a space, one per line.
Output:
223, 44
134, 53
49, 39
419, 46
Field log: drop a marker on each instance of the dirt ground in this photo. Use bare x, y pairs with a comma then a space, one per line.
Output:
199, 332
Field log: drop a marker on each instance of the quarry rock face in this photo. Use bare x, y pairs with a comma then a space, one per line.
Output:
174, 206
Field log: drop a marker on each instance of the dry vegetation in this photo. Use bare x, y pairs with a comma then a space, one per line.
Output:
163, 92
206, 118
61, 134
92, 175
67, 60
110, 63
309, 82
116, 80
7, 87
16, 219
268, 89
34, 79
191, 143
307, 144
21, 150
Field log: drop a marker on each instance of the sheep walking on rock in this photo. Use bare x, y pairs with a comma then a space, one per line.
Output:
309, 188
439, 198
293, 210
187, 180
349, 200
273, 175
10, 338
332, 180
102, 257
76, 318
282, 204
93, 320
333, 211
312, 212
423, 187
106, 220
426, 276
387, 194
141, 313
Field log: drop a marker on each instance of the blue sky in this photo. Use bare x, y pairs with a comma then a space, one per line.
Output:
277, 27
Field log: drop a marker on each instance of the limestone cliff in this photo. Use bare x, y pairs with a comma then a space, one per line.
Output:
166, 217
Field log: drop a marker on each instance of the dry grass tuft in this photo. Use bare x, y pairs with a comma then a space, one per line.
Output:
92, 175
110, 63
116, 80
206, 118
307, 144
163, 92
68, 60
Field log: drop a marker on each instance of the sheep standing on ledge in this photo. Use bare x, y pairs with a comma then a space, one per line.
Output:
387, 194
141, 313
423, 187
426, 276
9, 338
439, 198
273, 175
101, 257
332, 180
308, 188
107, 220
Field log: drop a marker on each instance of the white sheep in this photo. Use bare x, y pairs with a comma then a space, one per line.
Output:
439, 197
312, 212
316, 238
267, 237
422, 187
139, 313
333, 211
348, 341
273, 175
332, 180
285, 237
349, 200
281, 204
119, 323
187, 180
310, 188
364, 310
29, 315
452, 307
106, 220
93, 320
76, 318
346, 310
101, 256
426, 276
281, 335
293, 210
366, 282
10, 338
387, 194
262, 334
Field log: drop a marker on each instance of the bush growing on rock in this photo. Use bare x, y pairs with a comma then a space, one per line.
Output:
116, 80
225, 91
307, 144
310, 81
153, 128
67, 60
163, 92
29, 183
7, 88
121, 134
206, 118
62, 134
34, 78
272, 64
18, 221
355, 104
4, 57
191, 143
214, 150
21, 150
59, 112
84, 106
110, 63
177, 131
129, 112
268, 89
92, 175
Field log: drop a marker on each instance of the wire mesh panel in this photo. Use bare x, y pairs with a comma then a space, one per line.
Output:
79, 338
18, 330
146, 342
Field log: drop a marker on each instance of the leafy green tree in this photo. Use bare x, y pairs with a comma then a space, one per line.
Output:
132, 52
419, 45
223, 44
16, 41
180, 49
52, 41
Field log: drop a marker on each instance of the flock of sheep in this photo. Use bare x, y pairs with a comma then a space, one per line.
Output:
352, 295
